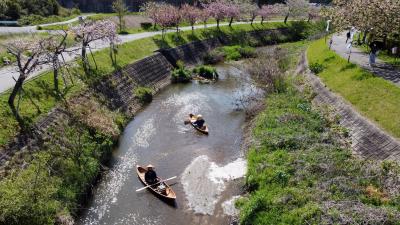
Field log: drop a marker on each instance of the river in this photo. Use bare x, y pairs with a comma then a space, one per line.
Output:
207, 166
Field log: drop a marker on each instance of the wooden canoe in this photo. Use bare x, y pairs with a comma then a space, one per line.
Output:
169, 193
203, 130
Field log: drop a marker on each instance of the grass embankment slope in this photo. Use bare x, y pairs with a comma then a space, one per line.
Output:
374, 97
300, 172
40, 88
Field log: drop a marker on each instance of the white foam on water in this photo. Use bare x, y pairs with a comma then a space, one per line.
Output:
195, 102
229, 206
228, 172
134, 218
144, 134
204, 181
115, 179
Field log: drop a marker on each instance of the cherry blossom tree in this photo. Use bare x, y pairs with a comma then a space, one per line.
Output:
204, 16
295, 8
249, 8
378, 18
313, 12
29, 56
54, 49
217, 10
169, 16
232, 11
151, 9
91, 31
267, 11
191, 14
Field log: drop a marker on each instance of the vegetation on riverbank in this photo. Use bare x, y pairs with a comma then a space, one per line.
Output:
372, 96
301, 171
57, 178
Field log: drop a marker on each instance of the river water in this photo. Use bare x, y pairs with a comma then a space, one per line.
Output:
207, 166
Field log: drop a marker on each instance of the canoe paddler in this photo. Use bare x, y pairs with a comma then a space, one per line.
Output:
150, 176
199, 121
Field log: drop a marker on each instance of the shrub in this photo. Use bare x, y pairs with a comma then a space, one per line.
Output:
247, 52
207, 72
316, 67
146, 25
144, 94
236, 52
181, 74
214, 57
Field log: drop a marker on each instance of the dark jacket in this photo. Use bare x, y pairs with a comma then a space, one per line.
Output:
199, 123
150, 177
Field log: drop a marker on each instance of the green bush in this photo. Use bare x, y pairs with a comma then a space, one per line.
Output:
181, 74
144, 94
207, 72
236, 52
316, 67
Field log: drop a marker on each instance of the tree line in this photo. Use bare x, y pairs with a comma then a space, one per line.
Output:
15, 9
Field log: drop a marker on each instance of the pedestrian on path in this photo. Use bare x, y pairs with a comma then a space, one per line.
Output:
372, 54
348, 36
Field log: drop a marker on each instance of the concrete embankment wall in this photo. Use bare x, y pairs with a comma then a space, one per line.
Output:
117, 90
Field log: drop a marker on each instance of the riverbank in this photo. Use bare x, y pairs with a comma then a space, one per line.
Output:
301, 169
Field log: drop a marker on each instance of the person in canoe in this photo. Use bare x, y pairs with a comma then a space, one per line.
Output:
150, 176
199, 120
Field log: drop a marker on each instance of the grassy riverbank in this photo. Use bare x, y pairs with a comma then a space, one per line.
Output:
301, 170
374, 97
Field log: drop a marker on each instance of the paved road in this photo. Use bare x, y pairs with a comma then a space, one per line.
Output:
32, 29
7, 73
361, 58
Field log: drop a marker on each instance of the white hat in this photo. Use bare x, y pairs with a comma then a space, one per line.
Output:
150, 166
199, 116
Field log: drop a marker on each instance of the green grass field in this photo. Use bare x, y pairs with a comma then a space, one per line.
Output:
373, 97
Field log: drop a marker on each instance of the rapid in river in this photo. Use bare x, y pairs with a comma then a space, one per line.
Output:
208, 167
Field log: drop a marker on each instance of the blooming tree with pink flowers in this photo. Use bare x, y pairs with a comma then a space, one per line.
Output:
91, 31
232, 11
204, 16
267, 11
169, 16
295, 8
190, 14
29, 56
217, 10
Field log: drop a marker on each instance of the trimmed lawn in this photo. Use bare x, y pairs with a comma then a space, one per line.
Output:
374, 97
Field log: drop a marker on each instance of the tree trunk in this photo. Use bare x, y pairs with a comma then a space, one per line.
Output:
230, 22
286, 18
365, 37
252, 20
11, 101
262, 20
85, 62
218, 24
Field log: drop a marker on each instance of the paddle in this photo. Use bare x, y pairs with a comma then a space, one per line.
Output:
155, 183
